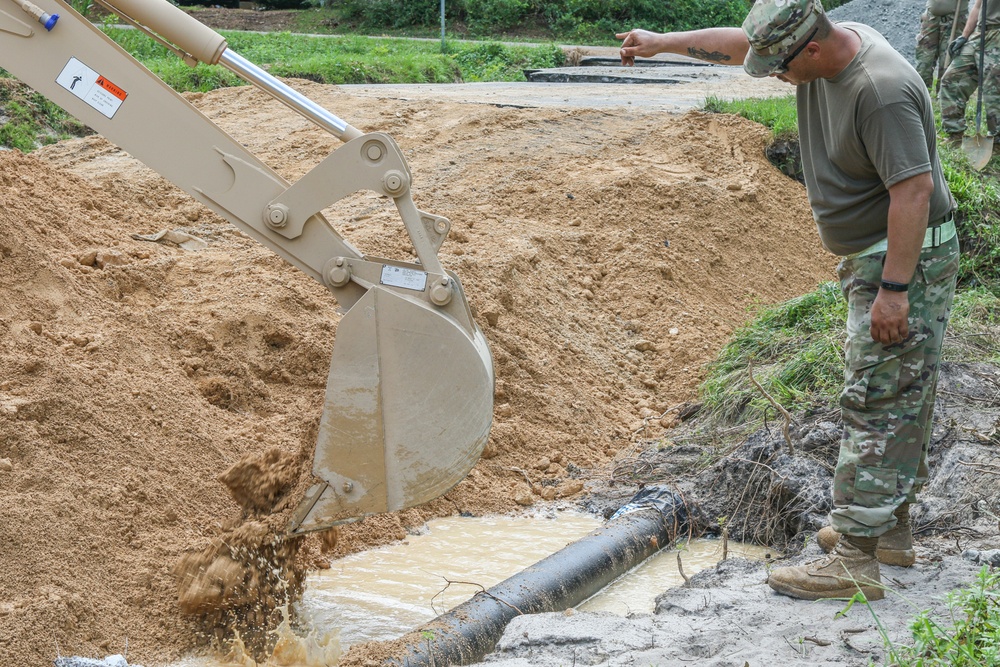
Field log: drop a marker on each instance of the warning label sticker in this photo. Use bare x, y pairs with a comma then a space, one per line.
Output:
91, 87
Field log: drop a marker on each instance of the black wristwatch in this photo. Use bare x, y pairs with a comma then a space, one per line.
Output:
894, 287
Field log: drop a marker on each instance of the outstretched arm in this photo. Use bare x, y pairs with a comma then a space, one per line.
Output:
727, 46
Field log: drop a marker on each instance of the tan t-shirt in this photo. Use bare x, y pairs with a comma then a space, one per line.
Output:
861, 132
992, 18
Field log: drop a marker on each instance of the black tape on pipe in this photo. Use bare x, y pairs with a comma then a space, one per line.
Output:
648, 523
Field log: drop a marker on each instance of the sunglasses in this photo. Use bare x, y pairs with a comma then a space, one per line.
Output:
783, 66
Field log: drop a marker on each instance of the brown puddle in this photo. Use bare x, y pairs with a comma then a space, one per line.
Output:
381, 594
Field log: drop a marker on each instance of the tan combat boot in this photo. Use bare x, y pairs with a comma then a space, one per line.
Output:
894, 547
851, 566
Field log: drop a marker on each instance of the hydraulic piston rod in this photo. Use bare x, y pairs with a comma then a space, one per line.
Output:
247, 71
196, 42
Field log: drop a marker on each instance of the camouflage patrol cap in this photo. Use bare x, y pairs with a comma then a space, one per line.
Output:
775, 28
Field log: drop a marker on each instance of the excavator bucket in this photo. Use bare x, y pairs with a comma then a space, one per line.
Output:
409, 403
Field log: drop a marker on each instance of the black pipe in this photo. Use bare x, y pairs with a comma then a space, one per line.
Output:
648, 523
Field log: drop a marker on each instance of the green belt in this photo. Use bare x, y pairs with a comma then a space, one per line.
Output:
934, 236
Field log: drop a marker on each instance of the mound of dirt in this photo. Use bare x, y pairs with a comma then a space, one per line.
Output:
607, 256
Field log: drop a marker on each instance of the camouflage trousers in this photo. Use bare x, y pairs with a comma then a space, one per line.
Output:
932, 44
888, 398
961, 80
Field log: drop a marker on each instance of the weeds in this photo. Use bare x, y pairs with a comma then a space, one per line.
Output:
974, 636
972, 640
797, 352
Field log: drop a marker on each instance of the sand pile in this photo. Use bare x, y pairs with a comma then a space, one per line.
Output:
607, 257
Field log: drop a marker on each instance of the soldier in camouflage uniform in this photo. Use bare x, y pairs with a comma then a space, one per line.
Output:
879, 199
962, 76
935, 36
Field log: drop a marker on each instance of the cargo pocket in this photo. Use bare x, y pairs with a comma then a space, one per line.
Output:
866, 389
873, 485
936, 268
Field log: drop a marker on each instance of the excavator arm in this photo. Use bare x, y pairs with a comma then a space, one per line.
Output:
409, 397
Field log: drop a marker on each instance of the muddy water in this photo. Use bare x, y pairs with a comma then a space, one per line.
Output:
383, 593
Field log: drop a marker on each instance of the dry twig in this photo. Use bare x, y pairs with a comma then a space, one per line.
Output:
777, 406
637, 465
523, 472
763, 465
482, 589
646, 420
987, 468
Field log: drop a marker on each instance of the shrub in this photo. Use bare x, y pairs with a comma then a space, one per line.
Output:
493, 61
485, 16
399, 13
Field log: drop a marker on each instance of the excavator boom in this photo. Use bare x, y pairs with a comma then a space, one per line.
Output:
409, 397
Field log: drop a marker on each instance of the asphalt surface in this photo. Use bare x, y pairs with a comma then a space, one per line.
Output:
671, 88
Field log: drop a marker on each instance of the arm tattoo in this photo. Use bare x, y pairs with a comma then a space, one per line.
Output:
702, 54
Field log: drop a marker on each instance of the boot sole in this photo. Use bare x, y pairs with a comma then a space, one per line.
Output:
871, 592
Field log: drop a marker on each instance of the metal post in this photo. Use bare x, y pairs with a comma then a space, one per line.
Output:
442, 27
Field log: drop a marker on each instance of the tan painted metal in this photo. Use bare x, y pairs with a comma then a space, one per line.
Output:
409, 399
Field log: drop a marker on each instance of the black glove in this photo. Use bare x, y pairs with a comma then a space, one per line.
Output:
956, 47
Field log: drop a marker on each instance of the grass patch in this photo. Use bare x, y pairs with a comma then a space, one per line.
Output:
345, 60
796, 350
28, 120
775, 113
974, 329
978, 218
972, 638
492, 61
